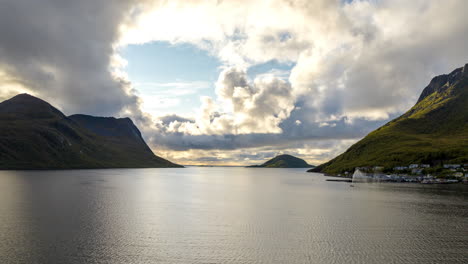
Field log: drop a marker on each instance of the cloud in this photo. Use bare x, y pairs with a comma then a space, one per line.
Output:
63, 52
314, 152
166, 120
344, 52
240, 32
174, 88
386, 59
243, 107
354, 65
292, 134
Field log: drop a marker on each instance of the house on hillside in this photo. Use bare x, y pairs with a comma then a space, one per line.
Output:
452, 166
413, 166
400, 168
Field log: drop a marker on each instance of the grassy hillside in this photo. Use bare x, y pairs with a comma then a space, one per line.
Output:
434, 131
284, 161
35, 135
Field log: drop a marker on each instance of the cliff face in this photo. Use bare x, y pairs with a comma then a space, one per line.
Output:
434, 131
442, 82
35, 135
121, 128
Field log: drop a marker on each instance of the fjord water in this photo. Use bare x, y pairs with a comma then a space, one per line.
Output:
226, 215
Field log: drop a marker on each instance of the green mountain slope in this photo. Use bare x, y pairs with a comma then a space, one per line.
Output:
434, 131
35, 135
284, 161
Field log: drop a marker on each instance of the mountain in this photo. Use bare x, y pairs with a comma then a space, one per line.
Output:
434, 131
36, 135
284, 161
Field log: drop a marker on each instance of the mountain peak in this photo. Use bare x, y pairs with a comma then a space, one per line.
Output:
27, 106
443, 82
26, 98
465, 70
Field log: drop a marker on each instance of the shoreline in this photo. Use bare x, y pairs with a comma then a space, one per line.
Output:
398, 179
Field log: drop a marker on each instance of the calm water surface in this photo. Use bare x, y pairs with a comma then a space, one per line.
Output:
225, 215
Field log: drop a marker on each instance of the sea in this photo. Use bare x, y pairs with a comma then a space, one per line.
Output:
226, 215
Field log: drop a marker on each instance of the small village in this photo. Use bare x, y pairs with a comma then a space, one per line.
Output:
413, 173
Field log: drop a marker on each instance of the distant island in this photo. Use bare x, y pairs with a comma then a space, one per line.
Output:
430, 139
36, 135
284, 161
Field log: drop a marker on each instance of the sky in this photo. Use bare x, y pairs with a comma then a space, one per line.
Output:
233, 82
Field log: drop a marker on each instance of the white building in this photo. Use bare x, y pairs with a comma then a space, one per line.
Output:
452, 166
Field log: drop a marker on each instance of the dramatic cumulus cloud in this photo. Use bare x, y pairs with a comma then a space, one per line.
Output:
245, 107
355, 65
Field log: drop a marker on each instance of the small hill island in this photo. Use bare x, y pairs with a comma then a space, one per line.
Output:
284, 161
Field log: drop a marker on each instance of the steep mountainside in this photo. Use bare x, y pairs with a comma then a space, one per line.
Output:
284, 161
434, 131
35, 135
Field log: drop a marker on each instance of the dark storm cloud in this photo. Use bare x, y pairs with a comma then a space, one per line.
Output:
61, 50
